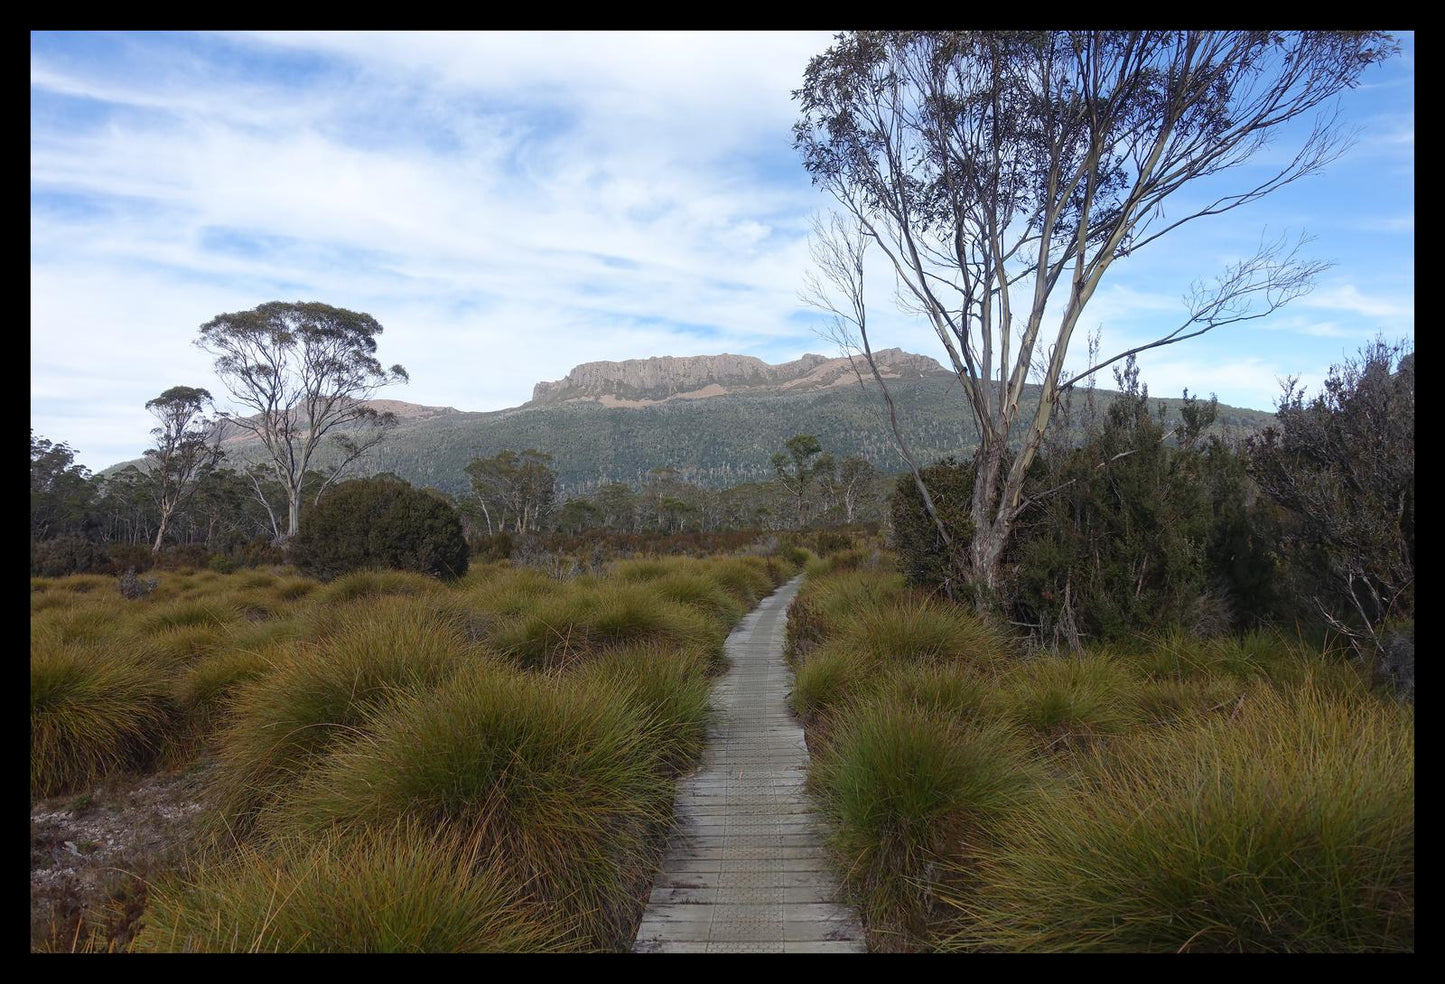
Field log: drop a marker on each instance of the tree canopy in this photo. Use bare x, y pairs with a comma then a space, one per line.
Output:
185, 451
301, 372
1002, 173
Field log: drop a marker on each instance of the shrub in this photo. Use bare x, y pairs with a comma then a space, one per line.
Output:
67, 555
922, 553
1342, 467
133, 587
184, 556
130, 556
381, 523
493, 546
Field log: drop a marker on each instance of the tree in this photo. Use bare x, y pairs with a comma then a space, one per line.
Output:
1001, 174
512, 489
60, 490
618, 504
577, 515
801, 449
186, 450
854, 477
302, 372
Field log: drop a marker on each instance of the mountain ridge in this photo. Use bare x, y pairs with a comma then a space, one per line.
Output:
616, 422
643, 382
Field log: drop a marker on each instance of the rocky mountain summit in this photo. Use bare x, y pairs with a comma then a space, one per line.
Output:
644, 382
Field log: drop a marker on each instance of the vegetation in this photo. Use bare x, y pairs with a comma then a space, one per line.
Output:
1242, 792
390, 762
186, 449
410, 889
1342, 466
980, 160
302, 372
381, 523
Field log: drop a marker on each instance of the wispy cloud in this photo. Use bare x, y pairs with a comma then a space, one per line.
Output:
1348, 297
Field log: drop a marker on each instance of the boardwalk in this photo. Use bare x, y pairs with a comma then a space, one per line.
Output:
744, 870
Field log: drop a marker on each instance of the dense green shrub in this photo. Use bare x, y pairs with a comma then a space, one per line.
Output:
1342, 468
184, 556
922, 553
66, 555
381, 523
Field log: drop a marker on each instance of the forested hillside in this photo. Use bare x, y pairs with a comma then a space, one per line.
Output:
715, 442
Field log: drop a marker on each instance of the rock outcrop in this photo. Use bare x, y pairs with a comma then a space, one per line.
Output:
642, 382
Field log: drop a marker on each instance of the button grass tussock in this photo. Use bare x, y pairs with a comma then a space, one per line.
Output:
390, 763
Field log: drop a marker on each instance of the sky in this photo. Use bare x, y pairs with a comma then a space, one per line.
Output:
509, 205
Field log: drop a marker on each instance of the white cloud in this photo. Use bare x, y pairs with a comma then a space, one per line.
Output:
1348, 297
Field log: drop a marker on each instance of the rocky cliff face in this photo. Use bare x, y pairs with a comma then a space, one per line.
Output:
642, 382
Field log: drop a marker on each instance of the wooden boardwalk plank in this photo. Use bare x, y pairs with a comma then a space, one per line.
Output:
745, 870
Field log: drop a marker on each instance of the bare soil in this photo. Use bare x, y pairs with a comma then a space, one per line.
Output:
92, 855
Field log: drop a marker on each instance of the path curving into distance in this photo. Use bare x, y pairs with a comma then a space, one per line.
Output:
745, 869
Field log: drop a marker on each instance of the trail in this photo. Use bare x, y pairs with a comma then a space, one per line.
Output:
745, 870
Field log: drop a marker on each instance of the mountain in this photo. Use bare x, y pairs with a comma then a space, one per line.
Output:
716, 419
645, 382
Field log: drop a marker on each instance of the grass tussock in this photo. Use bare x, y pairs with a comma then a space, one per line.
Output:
188, 614
99, 620
406, 889
951, 692
187, 643
749, 579
1066, 701
701, 592
906, 790
373, 584
558, 776
511, 592
925, 630
94, 710
1287, 826
292, 588
85, 583
573, 625
669, 688
323, 694
203, 692
831, 675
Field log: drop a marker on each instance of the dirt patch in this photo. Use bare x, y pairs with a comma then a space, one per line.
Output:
92, 854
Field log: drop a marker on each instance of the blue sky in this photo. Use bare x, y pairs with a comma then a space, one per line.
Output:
509, 205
